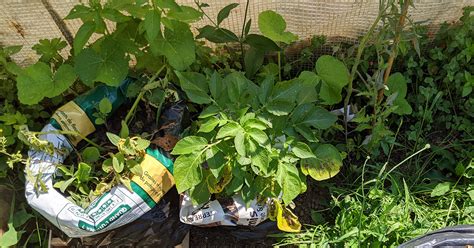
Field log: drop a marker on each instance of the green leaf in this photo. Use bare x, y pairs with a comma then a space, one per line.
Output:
114, 15
209, 125
286, 91
334, 75
142, 144
224, 12
308, 83
266, 89
105, 106
82, 36
253, 61
21, 217
215, 85
135, 167
83, 172
258, 135
215, 160
302, 150
255, 123
217, 35
327, 163
261, 43
441, 189
209, 111
168, 4
187, 171
189, 145
290, 182
109, 66
10, 237
236, 84
272, 25
33, 82
317, 117
62, 80
80, 11
239, 142
177, 45
117, 165
124, 131
260, 160
195, 86
152, 24
398, 85
185, 14
200, 193
91, 154
65, 184
280, 108
229, 129
114, 139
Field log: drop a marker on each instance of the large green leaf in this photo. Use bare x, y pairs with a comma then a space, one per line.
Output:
37, 81
200, 193
215, 160
185, 14
177, 45
108, 66
290, 183
229, 129
82, 36
397, 86
272, 25
236, 84
308, 81
334, 75
317, 117
195, 85
187, 171
189, 144
152, 24
327, 163
62, 80
261, 43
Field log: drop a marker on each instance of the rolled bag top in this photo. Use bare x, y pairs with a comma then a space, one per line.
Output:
114, 208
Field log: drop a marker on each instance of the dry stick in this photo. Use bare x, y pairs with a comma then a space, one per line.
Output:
396, 41
360, 50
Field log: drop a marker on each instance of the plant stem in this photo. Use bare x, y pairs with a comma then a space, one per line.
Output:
427, 146
396, 41
140, 96
279, 65
242, 34
360, 50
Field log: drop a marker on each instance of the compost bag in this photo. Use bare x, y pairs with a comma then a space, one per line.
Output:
114, 208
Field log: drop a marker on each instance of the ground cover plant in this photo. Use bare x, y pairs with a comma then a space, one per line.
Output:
389, 122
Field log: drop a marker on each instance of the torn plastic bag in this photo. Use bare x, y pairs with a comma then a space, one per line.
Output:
113, 209
224, 212
456, 236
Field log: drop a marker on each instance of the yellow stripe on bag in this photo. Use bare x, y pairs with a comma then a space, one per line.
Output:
156, 180
72, 118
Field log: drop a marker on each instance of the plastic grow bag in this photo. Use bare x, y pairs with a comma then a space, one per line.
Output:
456, 236
224, 212
113, 209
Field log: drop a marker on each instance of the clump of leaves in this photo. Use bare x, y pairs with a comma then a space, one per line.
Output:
259, 140
118, 168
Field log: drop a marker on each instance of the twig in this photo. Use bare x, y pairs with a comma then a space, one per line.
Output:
396, 41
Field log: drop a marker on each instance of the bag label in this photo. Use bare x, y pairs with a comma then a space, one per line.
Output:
72, 118
156, 180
